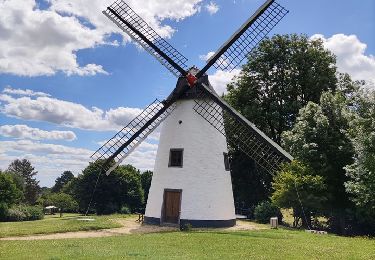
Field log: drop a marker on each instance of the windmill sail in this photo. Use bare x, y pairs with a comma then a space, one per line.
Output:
131, 23
253, 31
250, 139
126, 140
239, 130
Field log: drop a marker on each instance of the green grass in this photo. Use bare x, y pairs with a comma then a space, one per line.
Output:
55, 224
262, 244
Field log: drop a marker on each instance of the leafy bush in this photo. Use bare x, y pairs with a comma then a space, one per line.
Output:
15, 214
121, 187
125, 210
25, 213
186, 227
35, 213
64, 202
3, 211
266, 210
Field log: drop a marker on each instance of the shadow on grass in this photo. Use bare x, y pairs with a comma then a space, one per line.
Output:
254, 234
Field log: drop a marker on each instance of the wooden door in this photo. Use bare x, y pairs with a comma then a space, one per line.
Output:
172, 203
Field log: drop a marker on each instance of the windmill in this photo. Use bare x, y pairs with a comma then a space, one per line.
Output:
191, 181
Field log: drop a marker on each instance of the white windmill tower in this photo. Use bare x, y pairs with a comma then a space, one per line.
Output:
191, 181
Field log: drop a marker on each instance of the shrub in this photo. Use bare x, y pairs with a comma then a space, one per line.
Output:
25, 213
35, 213
15, 214
186, 227
3, 211
125, 210
266, 210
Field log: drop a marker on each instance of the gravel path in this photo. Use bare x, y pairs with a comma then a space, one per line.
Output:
129, 226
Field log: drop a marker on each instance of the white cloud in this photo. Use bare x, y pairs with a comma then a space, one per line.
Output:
220, 79
69, 114
66, 113
49, 160
351, 56
207, 56
28, 146
212, 8
24, 92
121, 116
43, 42
152, 11
25, 132
143, 157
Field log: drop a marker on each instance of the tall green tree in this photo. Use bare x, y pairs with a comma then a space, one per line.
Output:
121, 188
65, 177
296, 186
64, 202
146, 178
320, 140
281, 76
9, 193
361, 183
24, 170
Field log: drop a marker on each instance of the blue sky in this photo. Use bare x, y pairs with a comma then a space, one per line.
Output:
69, 79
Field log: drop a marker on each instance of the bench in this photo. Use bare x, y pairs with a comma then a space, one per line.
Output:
141, 217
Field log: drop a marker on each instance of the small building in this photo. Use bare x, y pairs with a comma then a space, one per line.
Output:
51, 210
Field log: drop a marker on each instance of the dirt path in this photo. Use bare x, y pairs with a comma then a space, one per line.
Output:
129, 226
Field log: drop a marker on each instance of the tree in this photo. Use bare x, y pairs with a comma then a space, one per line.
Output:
64, 202
121, 188
24, 169
320, 140
251, 184
266, 210
281, 76
146, 178
44, 198
361, 183
65, 177
296, 186
9, 193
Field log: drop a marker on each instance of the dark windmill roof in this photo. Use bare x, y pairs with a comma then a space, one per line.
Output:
197, 90
184, 91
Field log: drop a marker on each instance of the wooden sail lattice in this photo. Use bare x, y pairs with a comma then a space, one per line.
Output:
126, 140
131, 23
239, 131
251, 34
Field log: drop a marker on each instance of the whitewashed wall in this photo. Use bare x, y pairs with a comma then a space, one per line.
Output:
205, 184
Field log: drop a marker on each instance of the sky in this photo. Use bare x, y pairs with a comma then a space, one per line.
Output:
70, 79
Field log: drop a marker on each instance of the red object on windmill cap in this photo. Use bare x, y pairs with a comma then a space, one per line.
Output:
191, 80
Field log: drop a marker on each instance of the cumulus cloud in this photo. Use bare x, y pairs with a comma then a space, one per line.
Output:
38, 42
207, 56
143, 157
220, 79
26, 132
351, 55
66, 113
50, 160
24, 92
212, 8
42, 42
28, 146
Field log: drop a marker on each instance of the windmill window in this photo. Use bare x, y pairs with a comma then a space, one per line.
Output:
176, 158
226, 162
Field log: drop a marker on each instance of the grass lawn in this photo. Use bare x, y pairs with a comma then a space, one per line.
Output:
55, 224
262, 244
